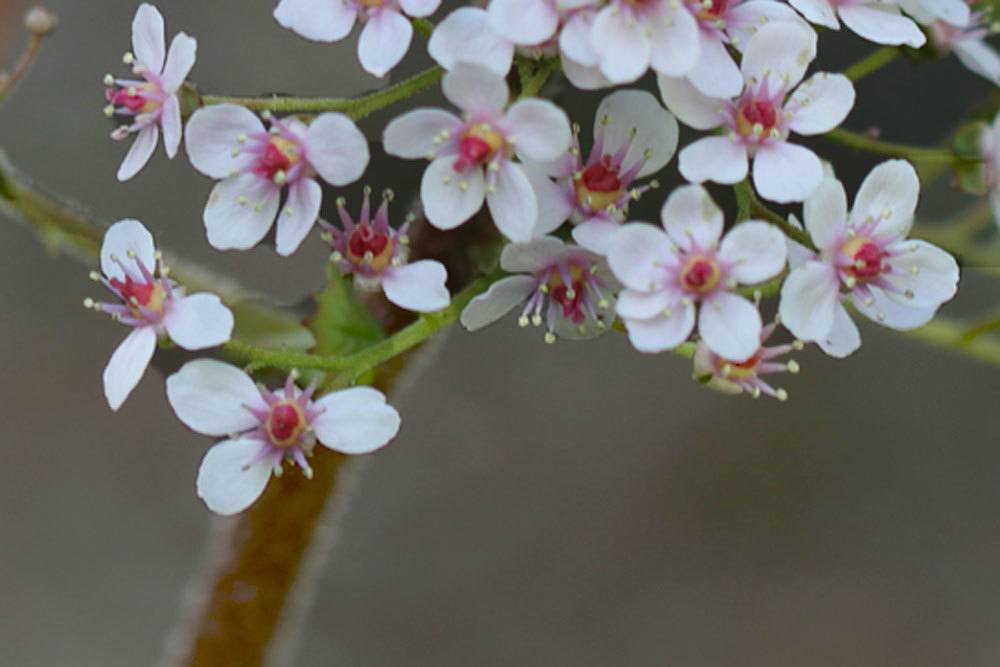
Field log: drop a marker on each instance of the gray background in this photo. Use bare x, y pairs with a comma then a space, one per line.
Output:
574, 504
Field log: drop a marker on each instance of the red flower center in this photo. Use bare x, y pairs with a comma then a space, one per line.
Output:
285, 423
571, 297
478, 146
713, 9
757, 117
366, 244
700, 275
279, 156
598, 186
866, 258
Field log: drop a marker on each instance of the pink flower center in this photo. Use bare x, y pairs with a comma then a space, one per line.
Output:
756, 117
366, 244
866, 258
738, 370
598, 186
700, 275
285, 423
278, 157
713, 9
478, 146
148, 295
571, 297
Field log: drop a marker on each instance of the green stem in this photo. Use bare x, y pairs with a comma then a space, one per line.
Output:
871, 63
356, 108
744, 200
534, 85
757, 208
869, 144
953, 335
423, 26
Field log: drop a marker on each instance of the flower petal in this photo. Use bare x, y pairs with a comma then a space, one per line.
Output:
693, 108
465, 36
746, 18
596, 235
414, 134
623, 48
212, 139
297, 217
538, 129
355, 421
825, 213
497, 301
336, 148
232, 476
808, 299
419, 286
844, 337
446, 202
715, 73
674, 41
784, 172
212, 397
171, 123
692, 219
139, 153
512, 202
755, 251
979, 57
888, 194
820, 12
637, 116
127, 365
318, 20
198, 321
524, 22
717, 159
882, 24
419, 8
659, 334
124, 239
148, 38
574, 40
821, 103
634, 305
888, 312
531, 257
475, 88
924, 272
180, 60
780, 50
384, 41
554, 203
638, 252
240, 211
730, 326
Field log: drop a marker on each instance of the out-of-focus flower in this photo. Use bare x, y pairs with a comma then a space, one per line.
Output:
150, 101
967, 40
153, 305
878, 21
989, 142
734, 377
266, 428
229, 142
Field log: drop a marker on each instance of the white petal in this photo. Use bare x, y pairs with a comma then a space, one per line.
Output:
889, 194
419, 286
198, 321
784, 172
446, 202
240, 211
658, 334
298, 215
637, 252
475, 88
808, 298
584, 77
882, 24
715, 74
419, 8
820, 12
730, 326
497, 301
123, 239
465, 36
384, 41
171, 123
979, 57
745, 19
574, 40
844, 337
336, 148
925, 271
825, 213
524, 22
180, 60
319, 20
139, 153
954, 12
554, 204
623, 48
512, 202
821, 103
231, 477
212, 397
639, 116
674, 42
127, 365
781, 50
355, 421
891, 313
692, 107
596, 235
692, 219
212, 139
538, 128
755, 251
413, 134
634, 305
531, 257
718, 159
148, 39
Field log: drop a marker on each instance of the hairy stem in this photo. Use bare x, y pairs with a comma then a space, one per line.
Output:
869, 144
871, 63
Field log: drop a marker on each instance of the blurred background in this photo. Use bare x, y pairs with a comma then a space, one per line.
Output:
544, 505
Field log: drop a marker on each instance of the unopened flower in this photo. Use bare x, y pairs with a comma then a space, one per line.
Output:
40, 22
229, 142
734, 377
967, 40
376, 255
152, 304
567, 289
894, 281
264, 429
879, 21
467, 36
666, 272
385, 38
150, 101
472, 158
634, 136
761, 119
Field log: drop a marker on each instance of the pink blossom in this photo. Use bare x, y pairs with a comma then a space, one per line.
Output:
152, 304
734, 377
264, 429
384, 39
893, 281
472, 158
761, 119
150, 101
666, 272
879, 21
256, 165
376, 255
568, 289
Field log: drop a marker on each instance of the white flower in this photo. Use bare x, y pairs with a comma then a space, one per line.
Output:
760, 120
566, 288
384, 39
876, 20
264, 429
150, 102
666, 273
734, 377
472, 158
376, 255
153, 305
896, 282
255, 164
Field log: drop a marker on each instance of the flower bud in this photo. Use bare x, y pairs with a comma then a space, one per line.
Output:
40, 21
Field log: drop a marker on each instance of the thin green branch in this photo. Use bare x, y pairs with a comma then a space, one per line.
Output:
356, 107
953, 335
871, 63
869, 144
757, 208
533, 85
